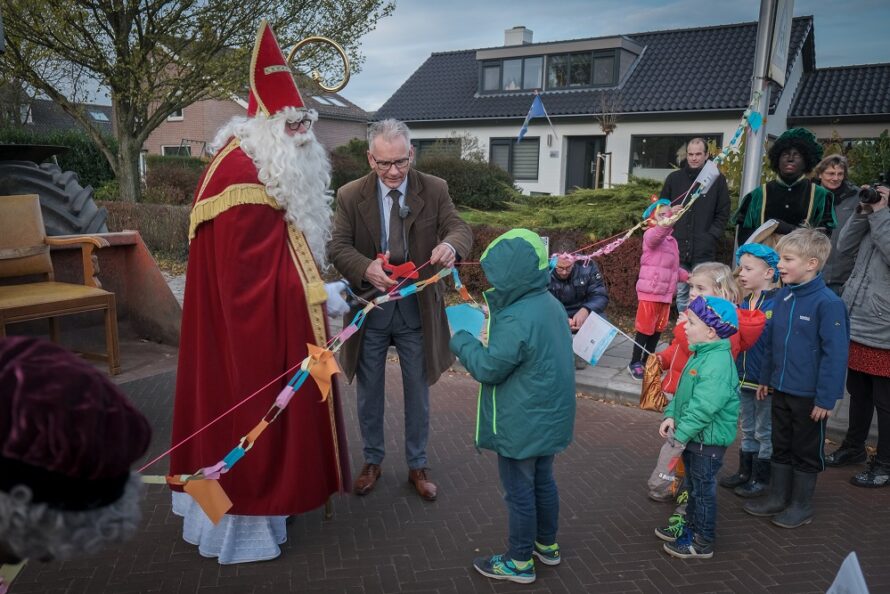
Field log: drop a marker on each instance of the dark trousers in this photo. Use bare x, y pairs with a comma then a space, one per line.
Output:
798, 440
867, 393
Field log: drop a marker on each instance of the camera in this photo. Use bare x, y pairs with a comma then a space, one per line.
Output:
870, 195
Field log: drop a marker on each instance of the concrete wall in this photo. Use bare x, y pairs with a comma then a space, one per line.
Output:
848, 131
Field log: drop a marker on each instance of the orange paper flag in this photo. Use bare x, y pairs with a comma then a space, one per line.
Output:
324, 365
464, 294
210, 496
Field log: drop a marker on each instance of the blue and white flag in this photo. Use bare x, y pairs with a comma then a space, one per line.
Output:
535, 111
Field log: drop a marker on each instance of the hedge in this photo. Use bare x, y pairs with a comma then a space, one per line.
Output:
82, 156
472, 184
164, 228
172, 179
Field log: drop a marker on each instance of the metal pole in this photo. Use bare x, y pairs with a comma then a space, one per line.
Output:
596, 173
754, 140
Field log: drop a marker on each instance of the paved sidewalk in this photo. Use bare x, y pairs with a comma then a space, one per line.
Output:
392, 541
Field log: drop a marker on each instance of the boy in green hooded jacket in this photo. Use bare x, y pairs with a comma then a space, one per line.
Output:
526, 407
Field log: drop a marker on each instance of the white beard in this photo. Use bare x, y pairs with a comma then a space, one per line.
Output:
295, 170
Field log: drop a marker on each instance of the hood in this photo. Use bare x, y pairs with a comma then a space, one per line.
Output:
515, 264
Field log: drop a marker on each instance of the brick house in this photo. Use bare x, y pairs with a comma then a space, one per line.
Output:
188, 131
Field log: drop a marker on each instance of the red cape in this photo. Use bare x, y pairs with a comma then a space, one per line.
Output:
245, 322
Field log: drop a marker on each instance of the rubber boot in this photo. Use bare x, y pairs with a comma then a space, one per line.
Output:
800, 511
779, 493
746, 460
759, 483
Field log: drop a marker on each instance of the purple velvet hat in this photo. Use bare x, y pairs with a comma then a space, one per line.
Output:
66, 431
716, 313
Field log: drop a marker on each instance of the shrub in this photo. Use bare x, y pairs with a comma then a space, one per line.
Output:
869, 159
596, 213
171, 179
471, 183
348, 162
164, 228
82, 156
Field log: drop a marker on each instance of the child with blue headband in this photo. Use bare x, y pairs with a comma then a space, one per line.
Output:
758, 274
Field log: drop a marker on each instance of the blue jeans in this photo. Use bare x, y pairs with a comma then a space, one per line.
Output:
682, 296
532, 503
702, 464
757, 423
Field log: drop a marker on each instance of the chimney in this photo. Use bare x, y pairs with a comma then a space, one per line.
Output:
517, 36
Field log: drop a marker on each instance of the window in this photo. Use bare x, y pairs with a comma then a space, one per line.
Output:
436, 147
519, 159
512, 75
336, 101
531, 78
175, 116
491, 77
585, 69
99, 116
176, 150
654, 157
322, 100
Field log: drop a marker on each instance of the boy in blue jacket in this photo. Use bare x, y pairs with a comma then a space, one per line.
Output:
804, 364
526, 409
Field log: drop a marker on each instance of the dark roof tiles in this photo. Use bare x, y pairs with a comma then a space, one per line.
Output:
680, 70
845, 91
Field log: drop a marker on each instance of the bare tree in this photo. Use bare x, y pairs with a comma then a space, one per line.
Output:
154, 57
610, 107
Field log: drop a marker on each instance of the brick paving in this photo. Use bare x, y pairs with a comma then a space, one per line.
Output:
392, 541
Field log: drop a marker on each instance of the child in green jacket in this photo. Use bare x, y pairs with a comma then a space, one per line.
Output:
703, 415
526, 409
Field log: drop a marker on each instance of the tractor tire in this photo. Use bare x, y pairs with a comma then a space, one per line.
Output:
67, 207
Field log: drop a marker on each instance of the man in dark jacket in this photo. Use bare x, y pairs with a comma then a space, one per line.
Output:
581, 290
698, 231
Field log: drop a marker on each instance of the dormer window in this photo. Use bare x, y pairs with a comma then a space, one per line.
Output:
520, 74
580, 70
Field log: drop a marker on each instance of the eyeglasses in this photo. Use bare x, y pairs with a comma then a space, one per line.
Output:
305, 123
385, 165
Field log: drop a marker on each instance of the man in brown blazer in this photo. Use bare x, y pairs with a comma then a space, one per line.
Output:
409, 216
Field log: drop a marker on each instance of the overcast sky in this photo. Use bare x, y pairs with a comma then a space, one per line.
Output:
847, 32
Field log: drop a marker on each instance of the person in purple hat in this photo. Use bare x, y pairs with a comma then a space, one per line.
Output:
703, 415
68, 438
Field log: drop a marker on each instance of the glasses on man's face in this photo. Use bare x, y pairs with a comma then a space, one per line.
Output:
384, 166
305, 123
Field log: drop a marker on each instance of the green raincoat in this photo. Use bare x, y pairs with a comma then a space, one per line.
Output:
526, 404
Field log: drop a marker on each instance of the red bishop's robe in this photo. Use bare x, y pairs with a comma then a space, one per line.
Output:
253, 300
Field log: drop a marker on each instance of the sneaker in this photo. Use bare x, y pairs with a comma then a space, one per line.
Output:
548, 555
636, 371
674, 529
689, 547
498, 567
845, 456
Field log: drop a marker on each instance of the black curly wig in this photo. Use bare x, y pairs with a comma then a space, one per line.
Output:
801, 139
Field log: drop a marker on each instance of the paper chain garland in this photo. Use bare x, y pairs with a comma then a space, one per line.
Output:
203, 485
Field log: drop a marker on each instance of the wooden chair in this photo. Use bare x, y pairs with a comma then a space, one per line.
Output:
24, 256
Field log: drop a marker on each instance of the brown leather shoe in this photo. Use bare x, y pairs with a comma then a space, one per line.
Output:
367, 479
425, 487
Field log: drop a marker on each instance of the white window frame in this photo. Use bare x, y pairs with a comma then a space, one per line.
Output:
176, 118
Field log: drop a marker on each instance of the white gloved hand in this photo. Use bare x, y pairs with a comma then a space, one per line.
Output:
337, 306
